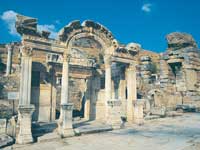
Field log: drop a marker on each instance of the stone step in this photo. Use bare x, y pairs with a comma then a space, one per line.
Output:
48, 137
40, 129
92, 129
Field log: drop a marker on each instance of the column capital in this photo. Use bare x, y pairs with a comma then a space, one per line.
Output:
66, 57
107, 60
132, 67
10, 46
26, 51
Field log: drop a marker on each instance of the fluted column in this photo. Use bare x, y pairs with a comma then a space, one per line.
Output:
9, 59
25, 108
132, 91
65, 127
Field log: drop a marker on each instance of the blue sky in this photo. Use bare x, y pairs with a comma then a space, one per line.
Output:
141, 21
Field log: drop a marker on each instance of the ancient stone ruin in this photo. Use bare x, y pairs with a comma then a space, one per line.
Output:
86, 73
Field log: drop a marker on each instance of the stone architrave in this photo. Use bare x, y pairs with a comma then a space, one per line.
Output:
65, 122
132, 91
25, 108
9, 59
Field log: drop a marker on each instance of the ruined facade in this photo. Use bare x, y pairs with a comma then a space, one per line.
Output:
86, 73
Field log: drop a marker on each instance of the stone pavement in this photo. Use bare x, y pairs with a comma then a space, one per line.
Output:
178, 133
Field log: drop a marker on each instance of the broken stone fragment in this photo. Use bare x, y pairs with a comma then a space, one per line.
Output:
177, 40
26, 25
5, 140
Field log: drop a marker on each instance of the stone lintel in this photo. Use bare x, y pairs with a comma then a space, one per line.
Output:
174, 60
122, 60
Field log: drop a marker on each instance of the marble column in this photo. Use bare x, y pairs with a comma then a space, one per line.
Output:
25, 108
65, 127
9, 59
108, 78
132, 91
108, 81
113, 106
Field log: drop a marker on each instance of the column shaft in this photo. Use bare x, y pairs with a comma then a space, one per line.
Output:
108, 79
9, 59
65, 80
132, 91
25, 80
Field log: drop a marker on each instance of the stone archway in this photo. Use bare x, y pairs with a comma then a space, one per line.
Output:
76, 36
88, 29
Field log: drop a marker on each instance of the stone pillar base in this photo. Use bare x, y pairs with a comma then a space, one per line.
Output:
138, 112
113, 116
65, 126
24, 135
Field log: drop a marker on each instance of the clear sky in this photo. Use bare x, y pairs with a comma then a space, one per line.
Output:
141, 21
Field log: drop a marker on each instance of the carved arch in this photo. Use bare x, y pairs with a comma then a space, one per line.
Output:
88, 29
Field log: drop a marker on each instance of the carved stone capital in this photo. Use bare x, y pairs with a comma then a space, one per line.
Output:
68, 106
132, 67
10, 46
26, 51
66, 57
107, 60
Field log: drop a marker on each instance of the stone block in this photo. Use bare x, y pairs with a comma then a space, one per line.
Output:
11, 127
2, 126
5, 140
158, 111
139, 112
113, 116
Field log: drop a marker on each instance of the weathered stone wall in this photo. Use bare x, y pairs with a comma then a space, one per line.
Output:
10, 83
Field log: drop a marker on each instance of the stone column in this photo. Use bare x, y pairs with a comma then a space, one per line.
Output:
108, 78
65, 122
108, 81
113, 106
25, 108
9, 59
132, 91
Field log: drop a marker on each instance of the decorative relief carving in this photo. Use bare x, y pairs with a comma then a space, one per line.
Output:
96, 29
26, 50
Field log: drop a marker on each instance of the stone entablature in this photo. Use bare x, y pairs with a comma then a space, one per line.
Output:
56, 58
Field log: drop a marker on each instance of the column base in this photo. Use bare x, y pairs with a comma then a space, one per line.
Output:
65, 125
67, 133
24, 135
113, 116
